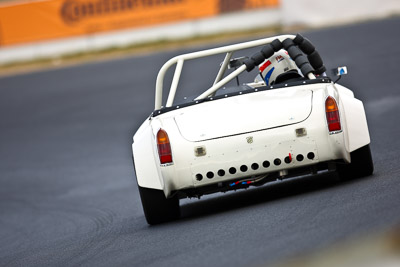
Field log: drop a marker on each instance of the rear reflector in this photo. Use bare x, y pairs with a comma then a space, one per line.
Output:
332, 115
164, 147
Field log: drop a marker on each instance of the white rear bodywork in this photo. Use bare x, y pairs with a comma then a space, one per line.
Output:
244, 130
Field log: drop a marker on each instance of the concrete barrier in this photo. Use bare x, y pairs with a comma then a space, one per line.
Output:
231, 22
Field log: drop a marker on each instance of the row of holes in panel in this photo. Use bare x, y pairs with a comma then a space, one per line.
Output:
254, 166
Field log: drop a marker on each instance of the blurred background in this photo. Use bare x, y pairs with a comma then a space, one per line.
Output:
68, 194
52, 28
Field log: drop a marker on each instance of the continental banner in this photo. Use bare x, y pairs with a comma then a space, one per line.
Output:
25, 22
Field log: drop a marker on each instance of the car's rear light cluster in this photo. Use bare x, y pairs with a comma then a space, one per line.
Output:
164, 147
332, 115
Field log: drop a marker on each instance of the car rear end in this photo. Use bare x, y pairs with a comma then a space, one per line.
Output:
251, 138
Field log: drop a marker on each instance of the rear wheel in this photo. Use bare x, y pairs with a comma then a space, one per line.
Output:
361, 164
157, 208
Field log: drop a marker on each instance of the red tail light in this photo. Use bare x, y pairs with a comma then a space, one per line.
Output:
332, 115
164, 147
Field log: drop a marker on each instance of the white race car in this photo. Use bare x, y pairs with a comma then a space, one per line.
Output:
280, 125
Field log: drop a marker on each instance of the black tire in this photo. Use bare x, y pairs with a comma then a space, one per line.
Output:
157, 208
361, 164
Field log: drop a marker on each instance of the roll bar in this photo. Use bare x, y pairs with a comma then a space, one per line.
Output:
293, 44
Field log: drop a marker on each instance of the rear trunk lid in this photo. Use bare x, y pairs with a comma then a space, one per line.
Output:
244, 114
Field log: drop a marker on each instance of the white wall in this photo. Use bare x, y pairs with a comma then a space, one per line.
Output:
316, 13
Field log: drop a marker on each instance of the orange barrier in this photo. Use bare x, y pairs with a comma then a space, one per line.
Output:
52, 19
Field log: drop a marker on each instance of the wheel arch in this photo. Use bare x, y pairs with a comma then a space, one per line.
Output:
145, 160
356, 122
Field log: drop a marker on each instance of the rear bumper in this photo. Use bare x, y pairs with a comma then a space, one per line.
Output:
277, 152
235, 184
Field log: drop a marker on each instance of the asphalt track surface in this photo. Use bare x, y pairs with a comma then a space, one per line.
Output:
68, 193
